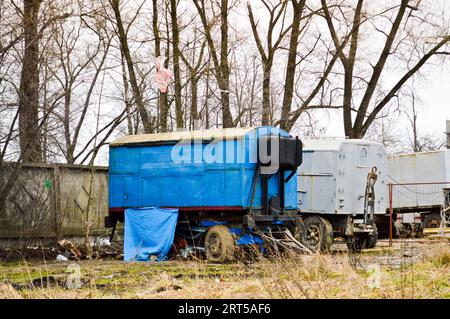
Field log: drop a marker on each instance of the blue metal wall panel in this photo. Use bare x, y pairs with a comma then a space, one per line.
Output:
132, 191
124, 162
291, 192
115, 186
142, 176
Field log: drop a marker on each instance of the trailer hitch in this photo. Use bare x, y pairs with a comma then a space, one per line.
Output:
369, 197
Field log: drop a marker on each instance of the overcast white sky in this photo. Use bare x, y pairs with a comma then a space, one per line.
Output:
431, 88
434, 107
436, 101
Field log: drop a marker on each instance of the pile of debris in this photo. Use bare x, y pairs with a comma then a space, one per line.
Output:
71, 252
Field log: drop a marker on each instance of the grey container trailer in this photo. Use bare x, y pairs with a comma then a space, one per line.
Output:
332, 187
424, 188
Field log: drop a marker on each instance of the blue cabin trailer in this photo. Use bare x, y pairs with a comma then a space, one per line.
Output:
222, 181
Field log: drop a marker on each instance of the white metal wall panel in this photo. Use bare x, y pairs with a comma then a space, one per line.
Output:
333, 176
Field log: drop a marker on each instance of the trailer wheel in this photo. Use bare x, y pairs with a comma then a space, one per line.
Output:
432, 221
317, 234
219, 244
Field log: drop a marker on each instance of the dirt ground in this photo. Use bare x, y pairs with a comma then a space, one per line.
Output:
410, 269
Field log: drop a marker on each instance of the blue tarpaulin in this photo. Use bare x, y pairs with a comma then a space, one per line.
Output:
149, 232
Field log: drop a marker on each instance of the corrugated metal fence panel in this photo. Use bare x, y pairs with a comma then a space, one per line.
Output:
29, 208
51, 201
83, 195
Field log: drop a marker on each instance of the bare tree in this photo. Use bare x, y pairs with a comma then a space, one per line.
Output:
30, 135
420, 142
220, 62
163, 99
298, 8
137, 94
369, 106
276, 12
196, 68
306, 93
352, 56
413, 121
86, 70
247, 91
176, 63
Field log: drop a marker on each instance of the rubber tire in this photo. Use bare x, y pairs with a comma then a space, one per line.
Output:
325, 233
371, 240
227, 243
429, 218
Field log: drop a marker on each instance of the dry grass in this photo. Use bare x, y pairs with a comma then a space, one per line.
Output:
424, 273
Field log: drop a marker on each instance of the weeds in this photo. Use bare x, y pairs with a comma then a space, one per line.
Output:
283, 275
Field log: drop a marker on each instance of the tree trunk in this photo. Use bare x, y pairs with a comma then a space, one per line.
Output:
70, 147
163, 100
194, 102
30, 135
416, 146
126, 97
176, 64
206, 100
221, 67
291, 64
276, 12
146, 121
266, 94
227, 119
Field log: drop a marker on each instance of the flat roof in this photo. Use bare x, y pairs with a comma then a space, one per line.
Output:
332, 144
419, 153
227, 133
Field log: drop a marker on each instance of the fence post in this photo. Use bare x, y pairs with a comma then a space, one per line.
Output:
391, 188
57, 200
